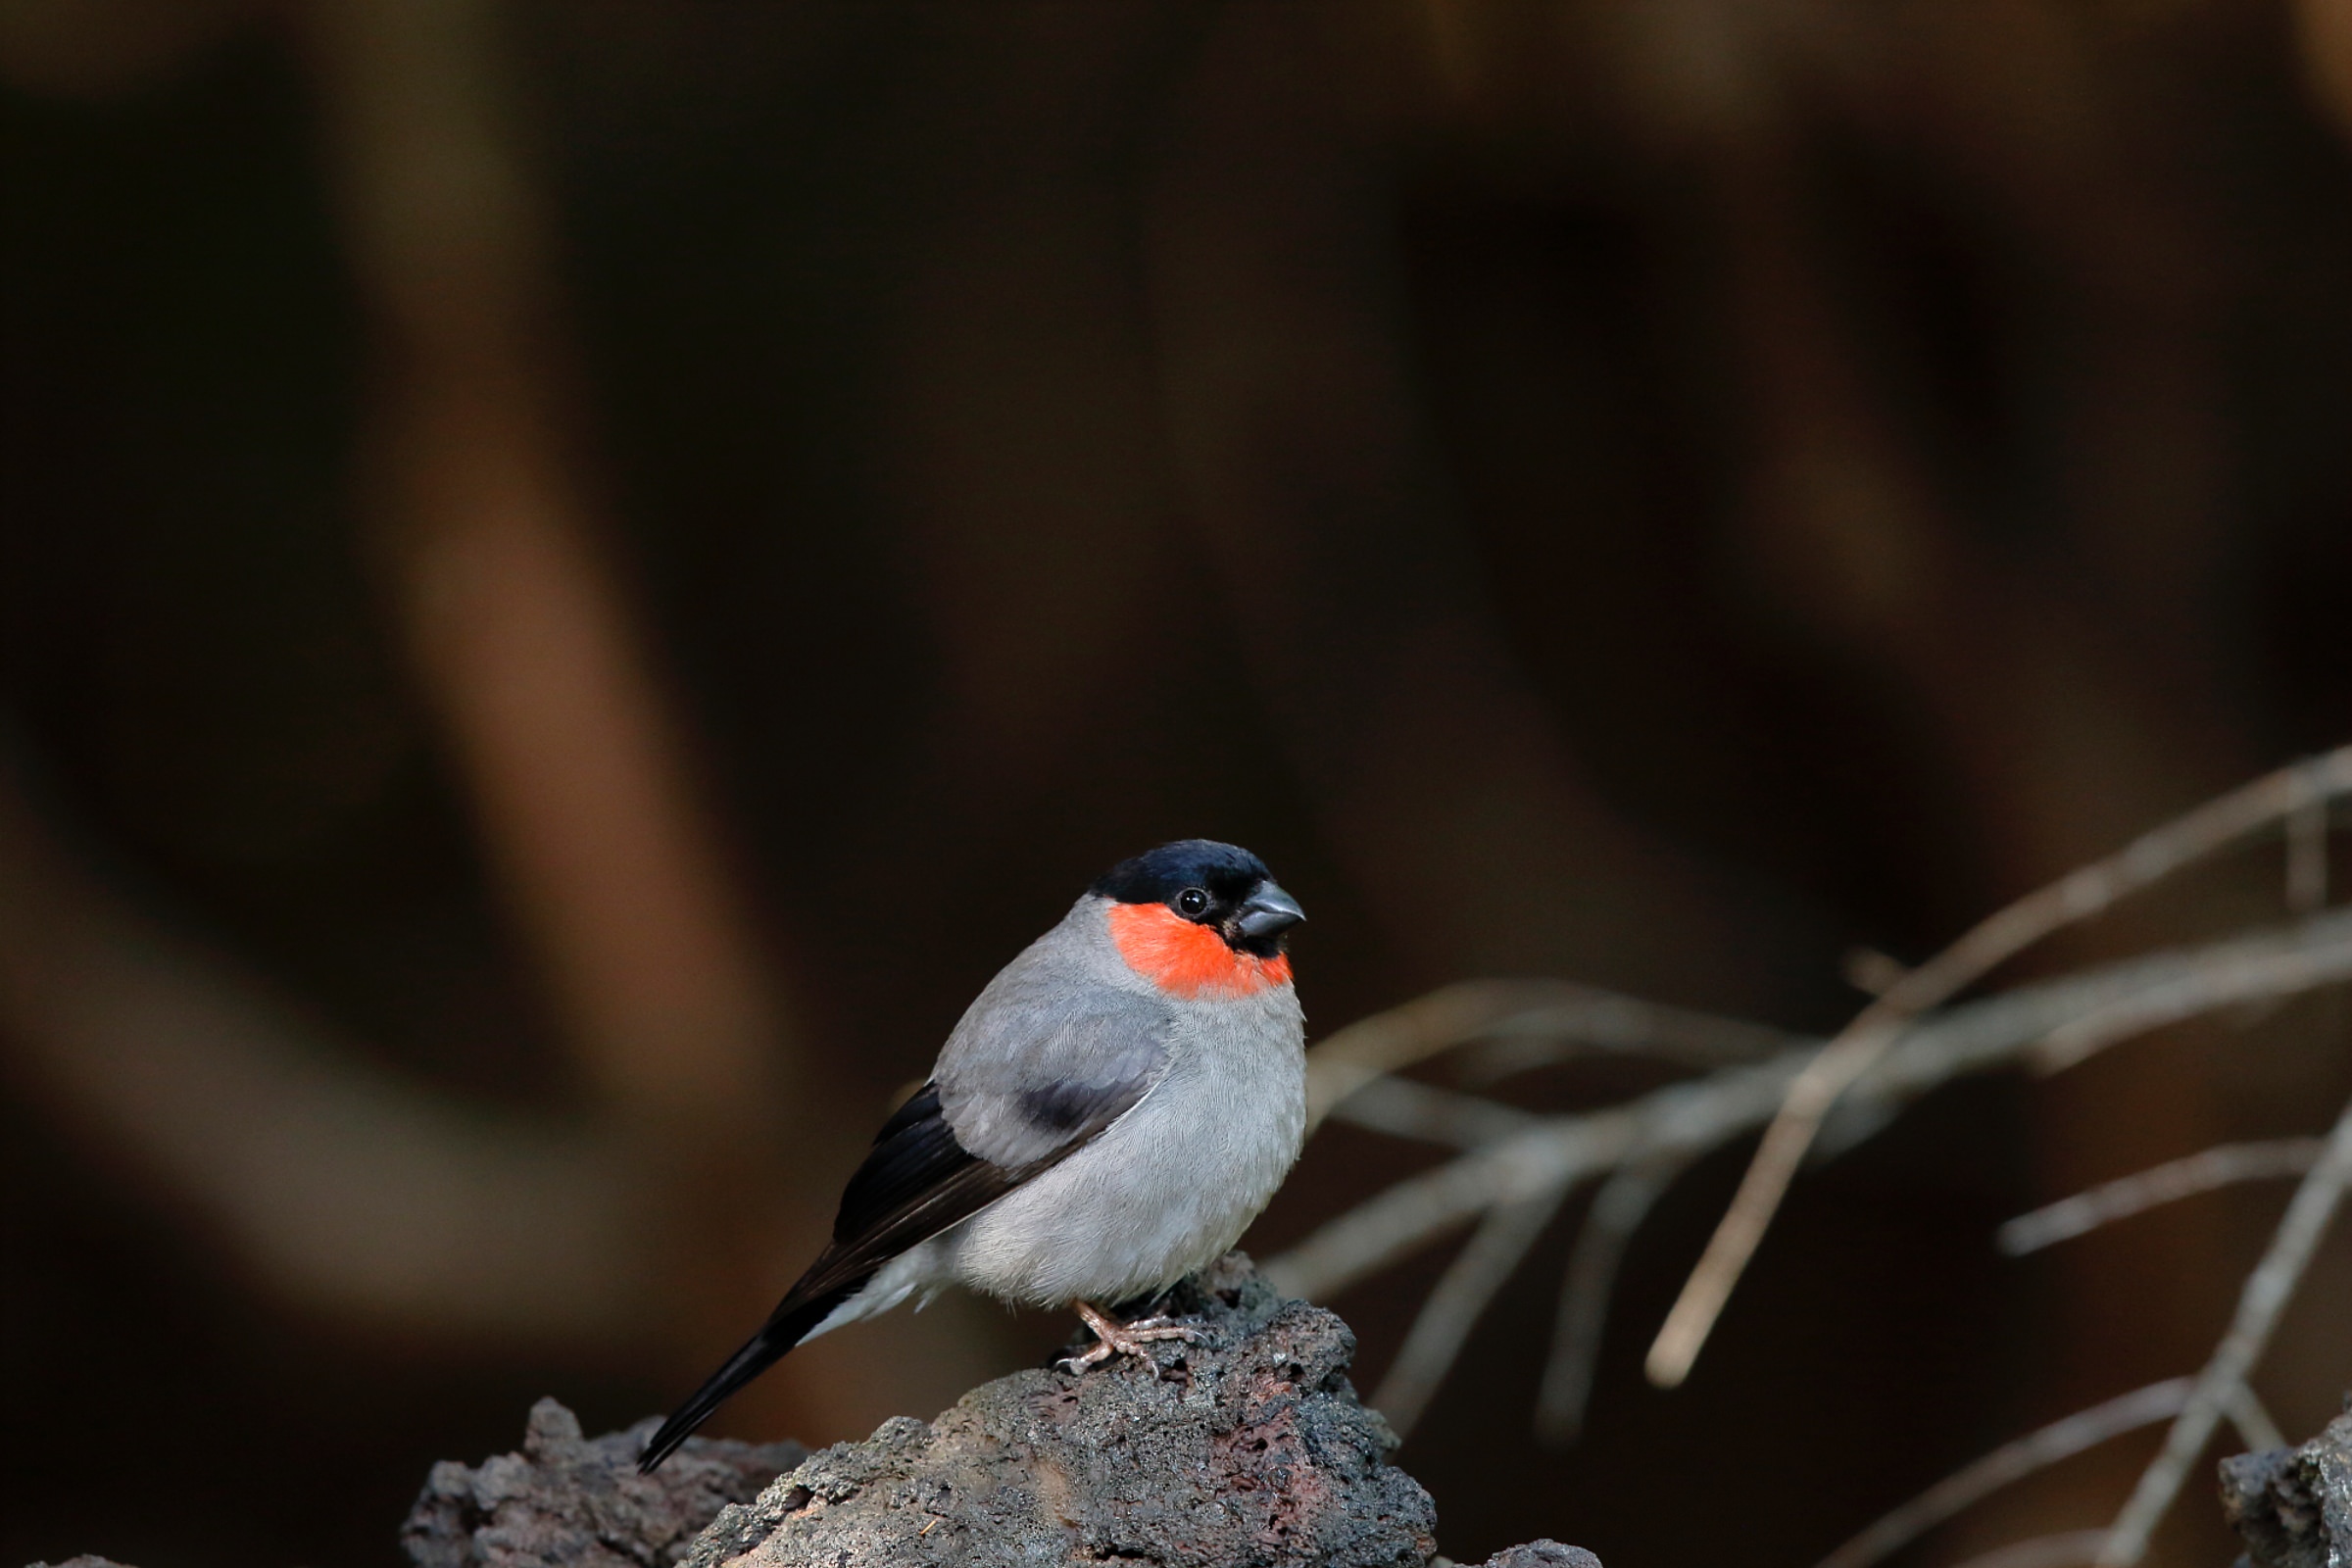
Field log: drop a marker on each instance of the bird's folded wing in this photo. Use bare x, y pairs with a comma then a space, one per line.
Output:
1026, 1090
1039, 1067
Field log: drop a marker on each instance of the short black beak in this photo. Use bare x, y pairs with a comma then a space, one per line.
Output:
1269, 912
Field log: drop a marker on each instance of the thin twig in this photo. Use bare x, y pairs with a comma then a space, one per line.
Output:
1415, 1212
1544, 1037
2086, 1036
1693, 1117
2012, 1462
1839, 1065
1618, 1209
1487, 1262
2220, 1166
1402, 1108
2068, 1548
2252, 1418
2259, 1303
1392, 1041
1872, 972
2037, 1451
2307, 858
1542, 1019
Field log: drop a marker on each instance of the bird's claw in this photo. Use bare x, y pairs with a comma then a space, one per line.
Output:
1126, 1338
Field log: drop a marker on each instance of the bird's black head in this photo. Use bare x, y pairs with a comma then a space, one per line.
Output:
1221, 886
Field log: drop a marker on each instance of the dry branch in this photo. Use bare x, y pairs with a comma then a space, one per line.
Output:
1529, 1023
2264, 1298
2012, 1462
1404, 1108
1624, 1201
2068, 1548
2038, 1450
2168, 1183
1690, 1119
1483, 1268
2252, 1418
2276, 798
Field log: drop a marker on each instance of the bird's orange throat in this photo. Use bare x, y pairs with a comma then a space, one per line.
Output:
1189, 960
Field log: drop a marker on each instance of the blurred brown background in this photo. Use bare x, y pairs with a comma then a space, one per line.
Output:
573, 577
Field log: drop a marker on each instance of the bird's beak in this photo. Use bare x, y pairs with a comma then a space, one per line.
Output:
1268, 912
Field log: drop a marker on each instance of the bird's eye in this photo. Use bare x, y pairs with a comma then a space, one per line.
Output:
1193, 902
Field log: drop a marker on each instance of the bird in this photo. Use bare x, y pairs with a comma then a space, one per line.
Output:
1109, 1115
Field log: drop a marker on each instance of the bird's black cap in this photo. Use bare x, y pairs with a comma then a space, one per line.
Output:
1227, 871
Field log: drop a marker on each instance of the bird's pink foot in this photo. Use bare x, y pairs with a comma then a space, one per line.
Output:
1134, 1339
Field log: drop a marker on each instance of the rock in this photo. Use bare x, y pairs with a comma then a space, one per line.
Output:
2293, 1506
1544, 1554
580, 1501
1253, 1450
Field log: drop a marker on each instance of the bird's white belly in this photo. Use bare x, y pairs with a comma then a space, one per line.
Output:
1164, 1191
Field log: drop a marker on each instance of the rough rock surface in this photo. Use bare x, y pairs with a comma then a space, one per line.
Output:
2293, 1506
1545, 1554
1250, 1451
580, 1501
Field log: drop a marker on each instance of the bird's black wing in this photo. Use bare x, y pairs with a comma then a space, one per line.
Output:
1023, 1084
916, 1180
1039, 1099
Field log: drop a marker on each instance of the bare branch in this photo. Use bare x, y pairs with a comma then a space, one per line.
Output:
1618, 1209
2083, 893
2182, 998
1839, 1065
2259, 1303
1562, 1150
2126, 1195
2047, 1446
1404, 1108
1544, 1037
1487, 1262
2307, 857
2252, 1419
1690, 1119
1531, 1023
2069, 1549
1872, 972
1393, 1041
2012, 1462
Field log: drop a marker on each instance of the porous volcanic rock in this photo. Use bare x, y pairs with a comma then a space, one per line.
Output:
1544, 1554
2293, 1506
579, 1501
1250, 1450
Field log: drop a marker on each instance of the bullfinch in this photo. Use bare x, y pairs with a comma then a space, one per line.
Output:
1109, 1115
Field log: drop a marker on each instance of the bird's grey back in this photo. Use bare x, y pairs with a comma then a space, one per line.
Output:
1060, 1044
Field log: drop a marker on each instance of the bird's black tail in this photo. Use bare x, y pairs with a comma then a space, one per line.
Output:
787, 1328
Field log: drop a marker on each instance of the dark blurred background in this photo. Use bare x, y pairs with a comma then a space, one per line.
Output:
575, 576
